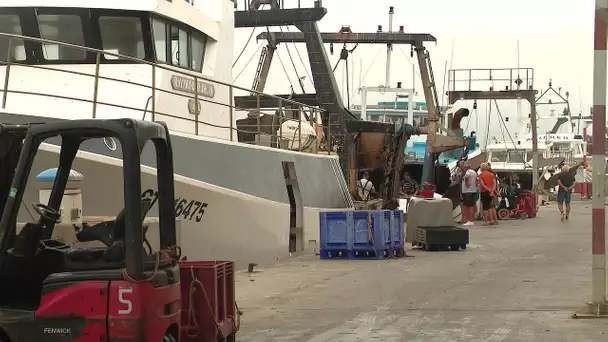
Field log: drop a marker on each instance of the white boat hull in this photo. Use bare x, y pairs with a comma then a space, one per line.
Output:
228, 225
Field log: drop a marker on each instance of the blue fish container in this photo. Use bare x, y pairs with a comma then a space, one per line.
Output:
394, 234
369, 232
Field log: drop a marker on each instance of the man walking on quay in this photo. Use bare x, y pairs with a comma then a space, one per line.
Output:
565, 182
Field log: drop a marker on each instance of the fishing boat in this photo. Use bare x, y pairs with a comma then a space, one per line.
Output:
515, 158
247, 201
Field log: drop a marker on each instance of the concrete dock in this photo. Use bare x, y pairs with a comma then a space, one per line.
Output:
519, 281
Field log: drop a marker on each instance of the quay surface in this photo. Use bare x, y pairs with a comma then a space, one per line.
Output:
519, 281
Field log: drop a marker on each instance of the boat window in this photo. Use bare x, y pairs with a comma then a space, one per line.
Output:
559, 148
499, 156
160, 39
122, 35
198, 50
183, 49
66, 28
517, 157
179, 47
10, 23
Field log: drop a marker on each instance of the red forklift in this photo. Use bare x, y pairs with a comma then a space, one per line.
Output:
51, 291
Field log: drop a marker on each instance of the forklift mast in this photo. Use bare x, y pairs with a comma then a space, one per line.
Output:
11, 141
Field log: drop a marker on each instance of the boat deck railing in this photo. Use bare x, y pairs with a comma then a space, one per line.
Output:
301, 113
282, 4
567, 155
484, 79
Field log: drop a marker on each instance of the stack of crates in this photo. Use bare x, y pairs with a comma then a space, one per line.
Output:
361, 234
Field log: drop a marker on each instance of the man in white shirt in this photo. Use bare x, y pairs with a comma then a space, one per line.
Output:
365, 187
470, 188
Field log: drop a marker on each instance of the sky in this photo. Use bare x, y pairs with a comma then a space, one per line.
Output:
555, 38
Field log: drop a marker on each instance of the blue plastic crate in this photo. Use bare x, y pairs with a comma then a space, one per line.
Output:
361, 232
394, 237
369, 227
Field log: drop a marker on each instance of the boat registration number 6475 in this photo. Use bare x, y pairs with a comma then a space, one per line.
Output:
192, 210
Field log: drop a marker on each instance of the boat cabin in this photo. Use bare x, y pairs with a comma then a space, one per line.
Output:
514, 161
182, 37
509, 156
157, 31
567, 145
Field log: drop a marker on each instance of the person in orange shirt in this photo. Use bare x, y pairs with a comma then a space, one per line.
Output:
487, 188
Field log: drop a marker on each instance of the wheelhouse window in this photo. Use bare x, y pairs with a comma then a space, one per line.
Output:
159, 29
179, 47
186, 45
198, 51
136, 34
517, 156
183, 51
499, 156
10, 23
66, 28
122, 35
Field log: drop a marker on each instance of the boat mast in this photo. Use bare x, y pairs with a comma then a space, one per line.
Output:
523, 130
389, 47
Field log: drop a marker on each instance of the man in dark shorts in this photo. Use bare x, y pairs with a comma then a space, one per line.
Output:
565, 183
470, 188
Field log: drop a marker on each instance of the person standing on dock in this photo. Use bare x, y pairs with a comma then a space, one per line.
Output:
365, 187
409, 186
458, 173
487, 184
470, 187
565, 182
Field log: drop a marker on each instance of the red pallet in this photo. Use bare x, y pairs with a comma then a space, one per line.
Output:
210, 313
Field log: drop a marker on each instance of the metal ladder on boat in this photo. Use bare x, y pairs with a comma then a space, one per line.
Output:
346, 196
427, 57
263, 68
258, 70
335, 114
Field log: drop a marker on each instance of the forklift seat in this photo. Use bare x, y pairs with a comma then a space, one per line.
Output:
118, 230
111, 233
